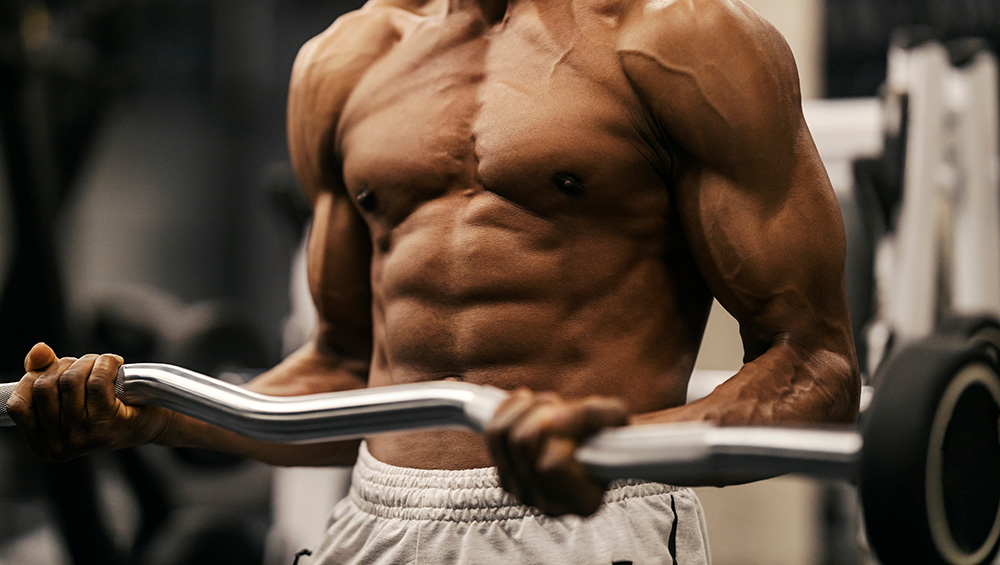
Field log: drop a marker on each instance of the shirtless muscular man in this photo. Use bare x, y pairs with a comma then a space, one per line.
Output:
543, 196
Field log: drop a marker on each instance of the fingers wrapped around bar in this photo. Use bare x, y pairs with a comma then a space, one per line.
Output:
533, 438
66, 407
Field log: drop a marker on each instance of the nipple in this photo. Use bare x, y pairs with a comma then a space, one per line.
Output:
366, 199
569, 184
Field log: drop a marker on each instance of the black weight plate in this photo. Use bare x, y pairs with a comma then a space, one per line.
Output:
930, 468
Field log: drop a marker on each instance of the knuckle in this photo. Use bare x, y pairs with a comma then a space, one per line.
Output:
106, 364
42, 385
97, 385
522, 434
518, 399
509, 404
548, 397
494, 427
110, 358
71, 377
552, 465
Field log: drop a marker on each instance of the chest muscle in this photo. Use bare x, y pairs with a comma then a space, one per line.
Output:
549, 125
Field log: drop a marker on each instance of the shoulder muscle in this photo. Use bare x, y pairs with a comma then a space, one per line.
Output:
325, 72
721, 79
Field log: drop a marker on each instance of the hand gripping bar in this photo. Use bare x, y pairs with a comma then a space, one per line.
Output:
681, 454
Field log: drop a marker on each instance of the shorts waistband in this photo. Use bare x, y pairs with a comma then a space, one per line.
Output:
467, 495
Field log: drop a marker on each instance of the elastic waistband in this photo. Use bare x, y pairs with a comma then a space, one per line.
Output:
468, 495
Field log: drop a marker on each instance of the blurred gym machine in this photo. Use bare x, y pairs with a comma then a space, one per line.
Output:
923, 216
936, 222
916, 175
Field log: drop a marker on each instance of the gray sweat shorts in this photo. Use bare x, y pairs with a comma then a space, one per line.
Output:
395, 515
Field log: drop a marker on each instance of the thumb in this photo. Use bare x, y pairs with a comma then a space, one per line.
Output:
40, 357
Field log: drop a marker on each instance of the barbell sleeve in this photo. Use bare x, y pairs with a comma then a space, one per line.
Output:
708, 455
683, 454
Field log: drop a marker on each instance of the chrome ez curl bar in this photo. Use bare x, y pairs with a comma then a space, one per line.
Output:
685, 453
937, 403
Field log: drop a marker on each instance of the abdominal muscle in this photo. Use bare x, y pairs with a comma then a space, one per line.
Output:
474, 289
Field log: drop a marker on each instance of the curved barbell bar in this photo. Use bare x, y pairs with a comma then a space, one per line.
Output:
681, 454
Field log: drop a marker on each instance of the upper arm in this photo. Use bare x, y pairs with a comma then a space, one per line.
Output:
754, 200
339, 248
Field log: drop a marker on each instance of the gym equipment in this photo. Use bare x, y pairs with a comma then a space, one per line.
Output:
941, 258
933, 207
731, 452
930, 471
927, 460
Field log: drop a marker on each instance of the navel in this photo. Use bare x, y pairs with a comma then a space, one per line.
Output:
568, 183
366, 199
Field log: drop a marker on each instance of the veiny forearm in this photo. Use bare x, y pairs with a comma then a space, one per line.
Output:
310, 370
785, 385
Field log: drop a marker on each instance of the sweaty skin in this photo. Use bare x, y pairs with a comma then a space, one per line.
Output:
542, 196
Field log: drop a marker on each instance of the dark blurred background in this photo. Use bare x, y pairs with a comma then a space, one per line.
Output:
147, 208
857, 34
146, 137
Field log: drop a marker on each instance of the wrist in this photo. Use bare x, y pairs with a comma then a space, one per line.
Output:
164, 432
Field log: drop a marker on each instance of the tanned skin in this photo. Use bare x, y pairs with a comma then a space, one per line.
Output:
542, 196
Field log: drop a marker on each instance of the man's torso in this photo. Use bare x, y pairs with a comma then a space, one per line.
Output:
518, 198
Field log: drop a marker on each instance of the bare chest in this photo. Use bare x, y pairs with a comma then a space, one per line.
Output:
542, 117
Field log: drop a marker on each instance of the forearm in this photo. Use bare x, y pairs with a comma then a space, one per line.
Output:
785, 385
307, 371
183, 431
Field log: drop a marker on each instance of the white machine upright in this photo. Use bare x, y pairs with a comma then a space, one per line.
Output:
943, 258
